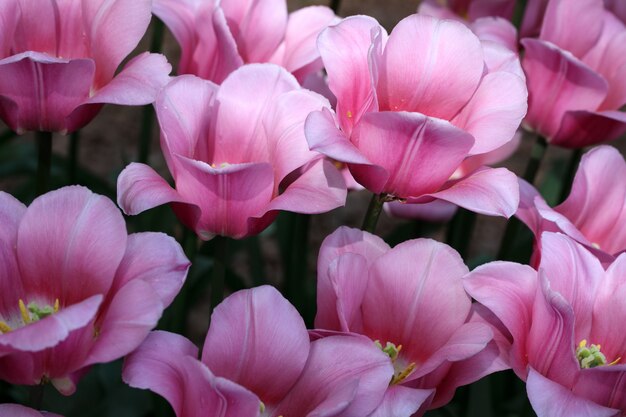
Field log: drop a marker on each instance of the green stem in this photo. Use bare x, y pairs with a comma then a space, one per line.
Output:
35, 396
536, 156
572, 167
373, 212
147, 117
72, 161
44, 163
220, 264
296, 266
460, 231
255, 260
518, 13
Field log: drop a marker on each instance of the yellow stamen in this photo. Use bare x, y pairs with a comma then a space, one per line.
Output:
615, 361
25, 313
404, 374
582, 343
56, 305
4, 328
349, 114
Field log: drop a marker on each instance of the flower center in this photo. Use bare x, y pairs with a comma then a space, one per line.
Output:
401, 371
590, 357
29, 313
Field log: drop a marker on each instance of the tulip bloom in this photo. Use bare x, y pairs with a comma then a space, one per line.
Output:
258, 361
577, 78
217, 37
595, 206
15, 410
58, 61
411, 301
564, 327
412, 108
76, 288
237, 154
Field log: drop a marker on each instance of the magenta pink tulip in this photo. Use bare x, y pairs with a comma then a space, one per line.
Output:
237, 154
58, 60
217, 37
411, 301
76, 288
258, 361
564, 327
595, 209
412, 108
577, 78
15, 410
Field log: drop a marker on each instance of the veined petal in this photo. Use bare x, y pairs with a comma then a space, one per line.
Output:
584, 128
11, 213
424, 71
401, 401
253, 334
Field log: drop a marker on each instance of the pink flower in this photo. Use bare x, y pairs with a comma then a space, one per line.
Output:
217, 37
411, 301
564, 326
618, 8
15, 410
76, 288
257, 360
412, 108
237, 154
469, 9
595, 210
58, 61
577, 78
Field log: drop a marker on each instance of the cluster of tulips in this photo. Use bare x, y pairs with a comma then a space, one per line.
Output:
277, 111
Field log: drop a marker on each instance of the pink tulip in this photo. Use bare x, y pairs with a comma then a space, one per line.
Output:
258, 361
564, 325
217, 37
58, 61
412, 108
617, 7
237, 154
76, 288
411, 301
15, 410
595, 209
469, 9
577, 78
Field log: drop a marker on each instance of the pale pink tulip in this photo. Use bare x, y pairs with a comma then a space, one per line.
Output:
15, 410
258, 361
565, 327
76, 288
409, 114
58, 60
237, 154
411, 301
595, 210
217, 37
577, 78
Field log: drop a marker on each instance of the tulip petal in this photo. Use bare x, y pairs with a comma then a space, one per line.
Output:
344, 376
165, 363
419, 152
437, 211
497, 30
15, 410
347, 50
70, 243
247, 95
128, 318
550, 399
557, 83
558, 17
495, 111
11, 213
253, 334
114, 28
44, 89
138, 83
319, 189
234, 192
596, 204
401, 401
9, 17
490, 191
584, 128
448, 72
413, 290
508, 290
341, 242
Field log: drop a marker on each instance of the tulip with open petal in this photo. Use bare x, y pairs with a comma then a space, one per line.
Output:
76, 288
565, 327
258, 361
